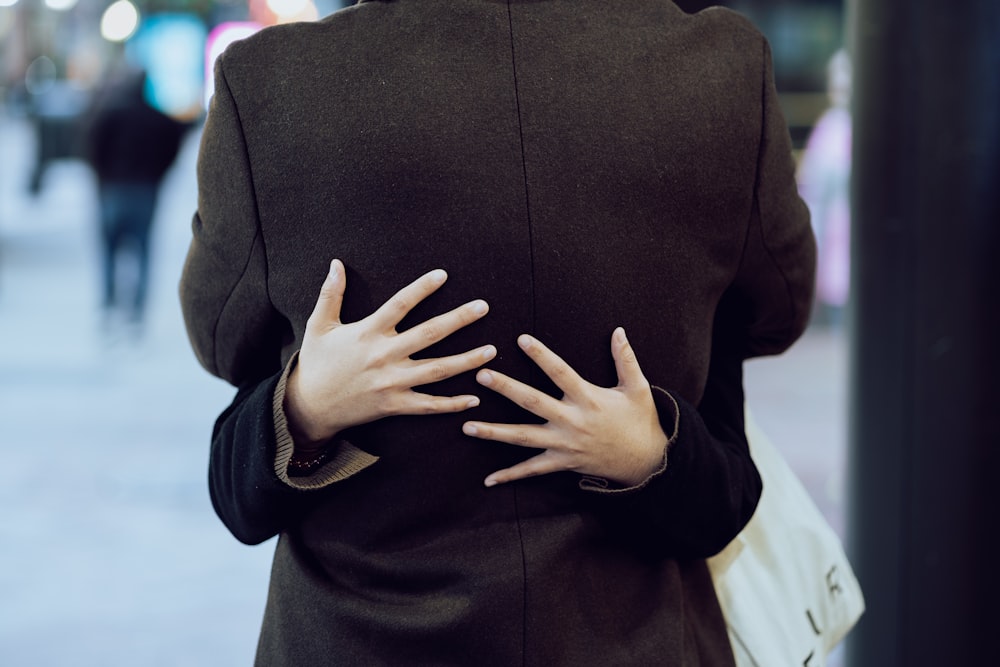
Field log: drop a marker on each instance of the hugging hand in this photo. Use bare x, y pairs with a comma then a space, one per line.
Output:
613, 433
351, 374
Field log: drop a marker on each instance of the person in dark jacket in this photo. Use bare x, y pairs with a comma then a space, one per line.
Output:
594, 202
130, 146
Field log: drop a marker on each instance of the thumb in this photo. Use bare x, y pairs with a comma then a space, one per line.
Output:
326, 314
629, 374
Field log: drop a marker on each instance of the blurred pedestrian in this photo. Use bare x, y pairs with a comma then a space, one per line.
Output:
824, 177
130, 146
582, 169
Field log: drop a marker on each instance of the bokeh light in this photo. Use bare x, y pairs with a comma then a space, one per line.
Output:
287, 7
119, 21
60, 5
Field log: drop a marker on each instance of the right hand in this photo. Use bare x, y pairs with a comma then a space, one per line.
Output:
351, 374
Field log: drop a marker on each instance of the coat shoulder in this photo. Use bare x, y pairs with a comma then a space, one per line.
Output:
731, 25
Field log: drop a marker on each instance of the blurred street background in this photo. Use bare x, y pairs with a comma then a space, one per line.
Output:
110, 553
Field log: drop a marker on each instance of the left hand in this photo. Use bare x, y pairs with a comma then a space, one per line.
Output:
613, 432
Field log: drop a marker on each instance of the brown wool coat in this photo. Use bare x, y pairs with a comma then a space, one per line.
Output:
579, 164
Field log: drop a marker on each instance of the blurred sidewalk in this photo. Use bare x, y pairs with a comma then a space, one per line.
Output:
110, 554
799, 400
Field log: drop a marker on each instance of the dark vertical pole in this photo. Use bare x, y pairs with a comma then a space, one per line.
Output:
925, 334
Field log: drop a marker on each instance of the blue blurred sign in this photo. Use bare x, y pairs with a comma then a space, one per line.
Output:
171, 48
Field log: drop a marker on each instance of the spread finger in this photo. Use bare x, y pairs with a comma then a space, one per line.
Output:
534, 401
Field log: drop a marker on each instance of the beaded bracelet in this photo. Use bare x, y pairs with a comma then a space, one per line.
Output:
304, 468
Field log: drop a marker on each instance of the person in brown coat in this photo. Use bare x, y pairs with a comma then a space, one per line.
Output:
513, 185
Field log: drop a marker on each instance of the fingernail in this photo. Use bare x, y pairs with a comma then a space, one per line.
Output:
469, 429
438, 275
489, 352
525, 341
489, 481
334, 269
480, 307
472, 402
620, 336
485, 377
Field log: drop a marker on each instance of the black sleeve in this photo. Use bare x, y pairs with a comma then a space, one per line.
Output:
246, 493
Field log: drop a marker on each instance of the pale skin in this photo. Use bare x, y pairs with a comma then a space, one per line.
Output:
356, 373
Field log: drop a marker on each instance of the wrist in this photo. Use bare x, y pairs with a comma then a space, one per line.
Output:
308, 432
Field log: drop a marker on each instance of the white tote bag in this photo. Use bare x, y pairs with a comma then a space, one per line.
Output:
787, 591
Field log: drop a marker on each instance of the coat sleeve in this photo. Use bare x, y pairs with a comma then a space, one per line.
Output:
775, 280
235, 331
246, 493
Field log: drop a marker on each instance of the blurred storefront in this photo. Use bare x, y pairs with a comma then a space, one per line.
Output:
55, 56
67, 36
